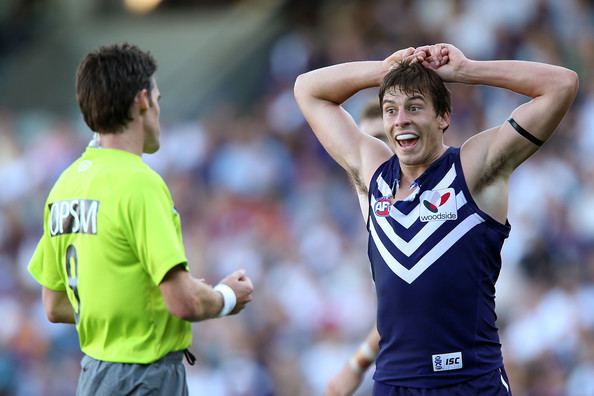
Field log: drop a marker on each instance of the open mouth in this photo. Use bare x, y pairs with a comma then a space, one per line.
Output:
407, 140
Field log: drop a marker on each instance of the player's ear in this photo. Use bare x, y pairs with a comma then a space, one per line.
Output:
444, 121
142, 99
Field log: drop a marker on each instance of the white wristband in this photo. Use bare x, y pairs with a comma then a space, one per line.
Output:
229, 299
367, 352
354, 365
363, 358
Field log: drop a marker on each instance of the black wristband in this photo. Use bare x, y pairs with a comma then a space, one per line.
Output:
525, 133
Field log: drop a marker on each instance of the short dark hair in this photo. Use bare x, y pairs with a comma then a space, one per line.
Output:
414, 78
107, 80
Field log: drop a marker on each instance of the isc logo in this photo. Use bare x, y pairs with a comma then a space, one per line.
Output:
382, 207
447, 361
452, 360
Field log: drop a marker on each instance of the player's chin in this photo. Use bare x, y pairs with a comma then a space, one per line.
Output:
408, 157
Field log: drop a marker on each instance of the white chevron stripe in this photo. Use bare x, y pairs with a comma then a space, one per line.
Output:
428, 229
409, 275
383, 187
407, 220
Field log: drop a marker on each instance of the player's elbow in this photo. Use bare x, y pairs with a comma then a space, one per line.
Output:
53, 315
574, 82
179, 293
57, 307
182, 310
59, 314
568, 84
300, 89
189, 308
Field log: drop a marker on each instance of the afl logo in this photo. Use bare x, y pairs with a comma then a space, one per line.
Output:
382, 207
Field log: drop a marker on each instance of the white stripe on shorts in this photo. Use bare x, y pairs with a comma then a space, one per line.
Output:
503, 381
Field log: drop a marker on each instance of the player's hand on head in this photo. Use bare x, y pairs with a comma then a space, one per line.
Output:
398, 57
242, 287
431, 56
447, 61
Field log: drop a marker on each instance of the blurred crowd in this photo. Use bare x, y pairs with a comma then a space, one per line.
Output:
255, 190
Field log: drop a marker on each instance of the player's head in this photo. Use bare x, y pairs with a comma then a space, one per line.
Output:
371, 122
415, 79
416, 108
110, 82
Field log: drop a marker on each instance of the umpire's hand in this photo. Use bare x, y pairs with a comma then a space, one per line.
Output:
242, 287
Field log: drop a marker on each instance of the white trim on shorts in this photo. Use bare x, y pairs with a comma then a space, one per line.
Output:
503, 381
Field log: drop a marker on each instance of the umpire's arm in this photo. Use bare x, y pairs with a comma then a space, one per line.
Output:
194, 300
57, 306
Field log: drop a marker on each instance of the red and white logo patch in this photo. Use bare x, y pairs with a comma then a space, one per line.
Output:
438, 205
382, 207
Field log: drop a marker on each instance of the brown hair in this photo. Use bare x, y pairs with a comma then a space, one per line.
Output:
107, 80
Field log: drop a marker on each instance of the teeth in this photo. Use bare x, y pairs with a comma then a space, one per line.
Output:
406, 136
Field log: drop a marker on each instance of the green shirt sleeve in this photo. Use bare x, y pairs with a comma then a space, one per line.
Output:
153, 226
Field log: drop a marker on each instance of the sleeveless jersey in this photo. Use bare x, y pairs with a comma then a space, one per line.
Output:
435, 258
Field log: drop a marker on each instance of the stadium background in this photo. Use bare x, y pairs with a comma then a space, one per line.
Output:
256, 190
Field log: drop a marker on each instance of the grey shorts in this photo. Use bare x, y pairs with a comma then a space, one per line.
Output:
166, 376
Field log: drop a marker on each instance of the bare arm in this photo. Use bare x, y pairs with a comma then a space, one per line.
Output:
349, 378
551, 88
57, 306
489, 158
192, 299
320, 94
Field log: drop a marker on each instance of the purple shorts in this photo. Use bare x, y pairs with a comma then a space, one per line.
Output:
494, 383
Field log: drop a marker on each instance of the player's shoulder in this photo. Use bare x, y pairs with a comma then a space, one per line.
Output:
128, 171
149, 173
142, 178
66, 181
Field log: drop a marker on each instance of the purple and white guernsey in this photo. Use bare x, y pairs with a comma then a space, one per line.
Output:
435, 258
